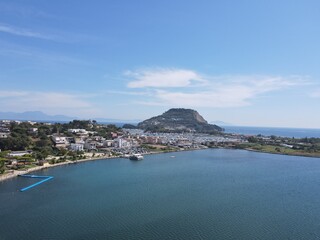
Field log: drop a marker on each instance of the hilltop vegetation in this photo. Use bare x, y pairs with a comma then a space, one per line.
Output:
179, 120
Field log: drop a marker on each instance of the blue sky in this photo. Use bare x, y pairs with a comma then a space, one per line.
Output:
253, 63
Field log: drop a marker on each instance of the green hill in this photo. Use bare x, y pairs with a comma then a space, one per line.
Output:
179, 120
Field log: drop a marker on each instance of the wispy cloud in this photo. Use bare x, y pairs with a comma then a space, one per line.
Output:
213, 91
163, 78
315, 93
40, 57
51, 102
50, 35
5, 28
142, 93
23, 10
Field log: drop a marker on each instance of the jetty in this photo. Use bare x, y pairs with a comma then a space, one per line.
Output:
45, 178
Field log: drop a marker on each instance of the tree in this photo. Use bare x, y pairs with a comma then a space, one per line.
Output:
62, 151
252, 139
15, 143
273, 137
43, 143
2, 165
39, 156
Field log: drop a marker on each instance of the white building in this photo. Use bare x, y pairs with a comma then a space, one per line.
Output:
77, 130
90, 145
108, 143
60, 141
19, 153
76, 146
4, 134
33, 130
121, 143
98, 138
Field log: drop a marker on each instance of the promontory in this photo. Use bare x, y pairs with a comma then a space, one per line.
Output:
179, 120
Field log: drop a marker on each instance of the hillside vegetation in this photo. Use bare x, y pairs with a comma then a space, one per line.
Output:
179, 120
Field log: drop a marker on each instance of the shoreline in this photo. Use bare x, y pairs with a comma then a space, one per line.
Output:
280, 153
16, 173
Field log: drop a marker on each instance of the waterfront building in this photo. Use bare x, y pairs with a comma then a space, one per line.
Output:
90, 145
76, 146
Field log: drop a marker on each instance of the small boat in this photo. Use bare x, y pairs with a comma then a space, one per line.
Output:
136, 157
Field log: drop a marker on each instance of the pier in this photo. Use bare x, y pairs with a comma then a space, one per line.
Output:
45, 178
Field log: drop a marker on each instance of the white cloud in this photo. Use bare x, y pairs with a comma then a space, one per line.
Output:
8, 94
49, 102
47, 34
163, 78
25, 32
231, 96
218, 91
144, 93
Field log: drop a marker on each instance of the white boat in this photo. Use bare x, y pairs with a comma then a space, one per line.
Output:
136, 157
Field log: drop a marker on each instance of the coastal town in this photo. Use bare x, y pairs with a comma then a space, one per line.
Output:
29, 145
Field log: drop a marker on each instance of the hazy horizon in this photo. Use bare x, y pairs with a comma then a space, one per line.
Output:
66, 118
246, 63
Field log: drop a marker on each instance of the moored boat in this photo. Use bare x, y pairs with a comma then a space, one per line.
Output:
136, 157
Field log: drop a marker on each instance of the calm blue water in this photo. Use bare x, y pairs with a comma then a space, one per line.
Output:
207, 194
268, 131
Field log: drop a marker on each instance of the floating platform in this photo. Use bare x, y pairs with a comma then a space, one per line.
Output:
45, 178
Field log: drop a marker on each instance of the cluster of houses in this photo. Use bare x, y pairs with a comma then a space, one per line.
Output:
16, 159
83, 140
4, 128
121, 142
181, 140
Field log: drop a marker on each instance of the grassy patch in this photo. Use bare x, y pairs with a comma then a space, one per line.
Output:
278, 150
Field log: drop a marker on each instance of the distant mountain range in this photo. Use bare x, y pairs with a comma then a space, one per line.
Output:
40, 116
33, 116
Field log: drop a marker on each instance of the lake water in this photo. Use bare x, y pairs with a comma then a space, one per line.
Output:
268, 131
207, 194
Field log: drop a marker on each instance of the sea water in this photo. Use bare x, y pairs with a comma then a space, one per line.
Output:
268, 131
205, 194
